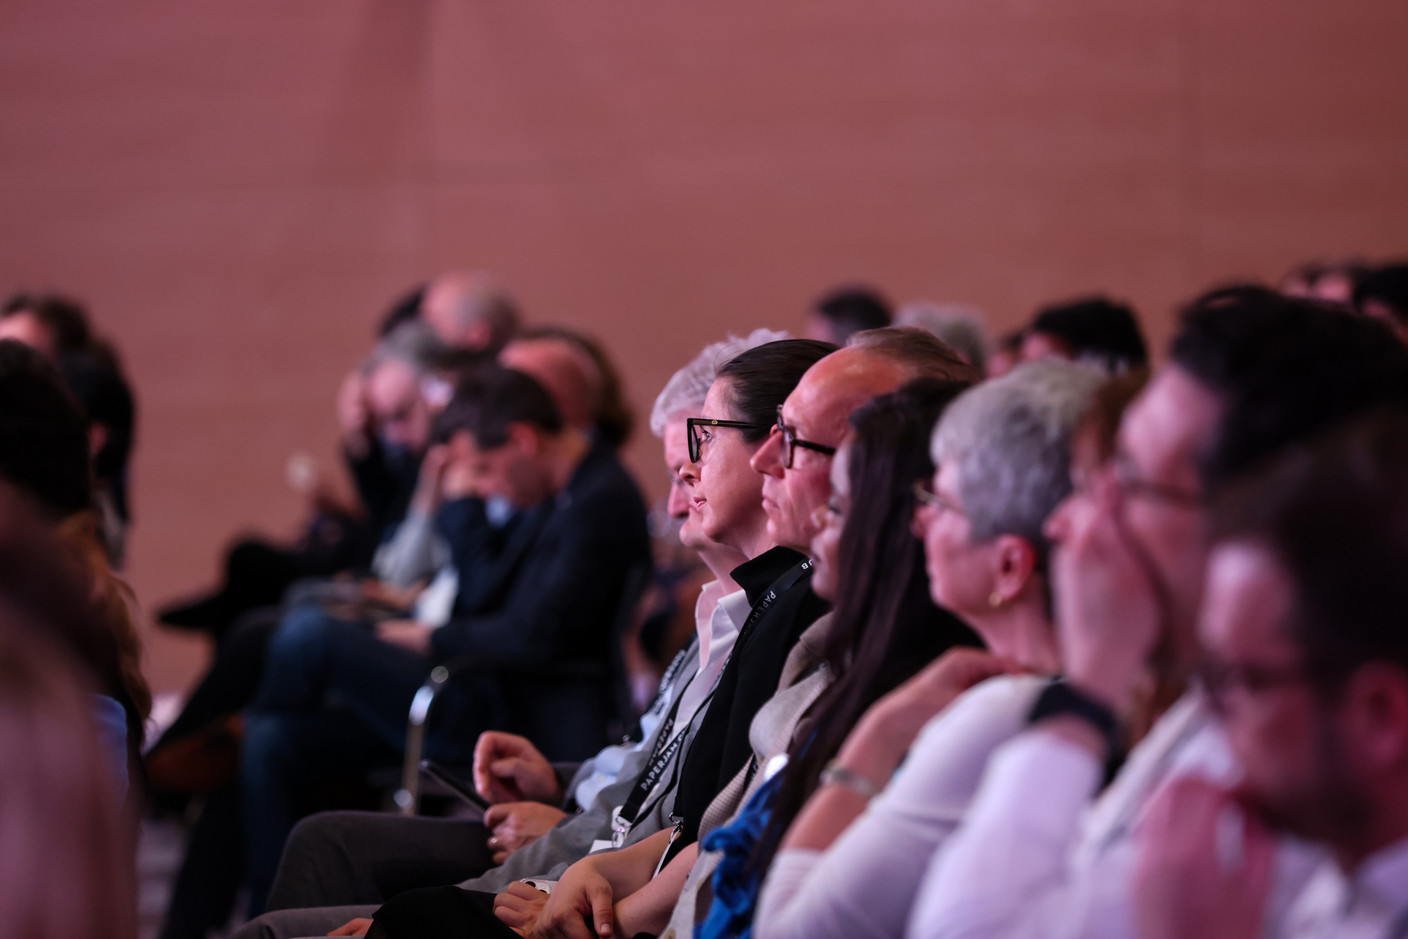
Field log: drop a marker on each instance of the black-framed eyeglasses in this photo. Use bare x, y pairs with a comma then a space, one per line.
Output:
790, 442
1130, 483
1221, 679
924, 494
700, 430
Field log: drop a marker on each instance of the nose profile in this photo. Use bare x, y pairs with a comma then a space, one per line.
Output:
768, 458
677, 504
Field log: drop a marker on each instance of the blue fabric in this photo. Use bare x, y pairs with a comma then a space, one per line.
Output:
110, 720
735, 886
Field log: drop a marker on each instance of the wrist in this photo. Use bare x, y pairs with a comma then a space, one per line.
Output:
873, 750
1080, 717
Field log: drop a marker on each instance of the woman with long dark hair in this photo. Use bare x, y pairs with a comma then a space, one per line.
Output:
884, 628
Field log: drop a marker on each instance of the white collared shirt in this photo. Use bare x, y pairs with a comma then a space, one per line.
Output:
718, 616
1371, 903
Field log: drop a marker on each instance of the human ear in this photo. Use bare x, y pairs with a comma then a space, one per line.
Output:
524, 438
1015, 565
1374, 711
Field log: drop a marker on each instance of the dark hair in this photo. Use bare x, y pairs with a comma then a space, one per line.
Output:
65, 318
919, 351
1389, 286
489, 399
404, 309
850, 309
1102, 419
1312, 272
614, 419
885, 627
1334, 513
43, 579
762, 377
1011, 341
105, 398
43, 437
1283, 369
1096, 329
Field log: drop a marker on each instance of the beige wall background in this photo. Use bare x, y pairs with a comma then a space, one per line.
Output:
239, 187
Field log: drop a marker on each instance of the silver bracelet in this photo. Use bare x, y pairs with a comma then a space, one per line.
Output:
838, 775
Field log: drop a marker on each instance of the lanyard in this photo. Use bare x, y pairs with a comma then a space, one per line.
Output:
664, 753
667, 747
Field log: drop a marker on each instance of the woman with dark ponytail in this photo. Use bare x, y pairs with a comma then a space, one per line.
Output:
884, 627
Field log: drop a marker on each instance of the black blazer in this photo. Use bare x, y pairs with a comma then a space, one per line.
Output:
550, 591
721, 746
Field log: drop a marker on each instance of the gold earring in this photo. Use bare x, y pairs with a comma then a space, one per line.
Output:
995, 599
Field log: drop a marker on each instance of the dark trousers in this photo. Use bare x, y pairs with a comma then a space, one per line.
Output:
343, 858
332, 705
439, 913
442, 913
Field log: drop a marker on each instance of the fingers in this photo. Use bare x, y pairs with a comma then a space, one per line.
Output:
357, 927
599, 894
519, 905
490, 750
483, 755
506, 768
522, 891
1258, 855
497, 814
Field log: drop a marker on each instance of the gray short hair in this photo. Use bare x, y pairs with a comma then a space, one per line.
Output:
919, 352
1010, 438
687, 388
412, 343
957, 324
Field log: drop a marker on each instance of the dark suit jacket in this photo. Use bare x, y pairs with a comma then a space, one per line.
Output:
548, 590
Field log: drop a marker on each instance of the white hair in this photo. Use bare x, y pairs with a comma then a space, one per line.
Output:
1010, 439
958, 324
413, 343
687, 388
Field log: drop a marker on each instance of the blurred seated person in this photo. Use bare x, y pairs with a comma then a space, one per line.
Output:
1006, 353
59, 329
845, 311
385, 418
412, 572
1095, 330
1330, 281
66, 866
599, 400
334, 695
467, 311
958, 325
1306, 666
107, 404
1047, 846
44, 464
1382, 294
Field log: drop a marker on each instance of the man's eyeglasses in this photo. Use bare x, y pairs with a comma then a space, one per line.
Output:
700, 431
1222, 679
925, 495
790, 442
1130, 483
